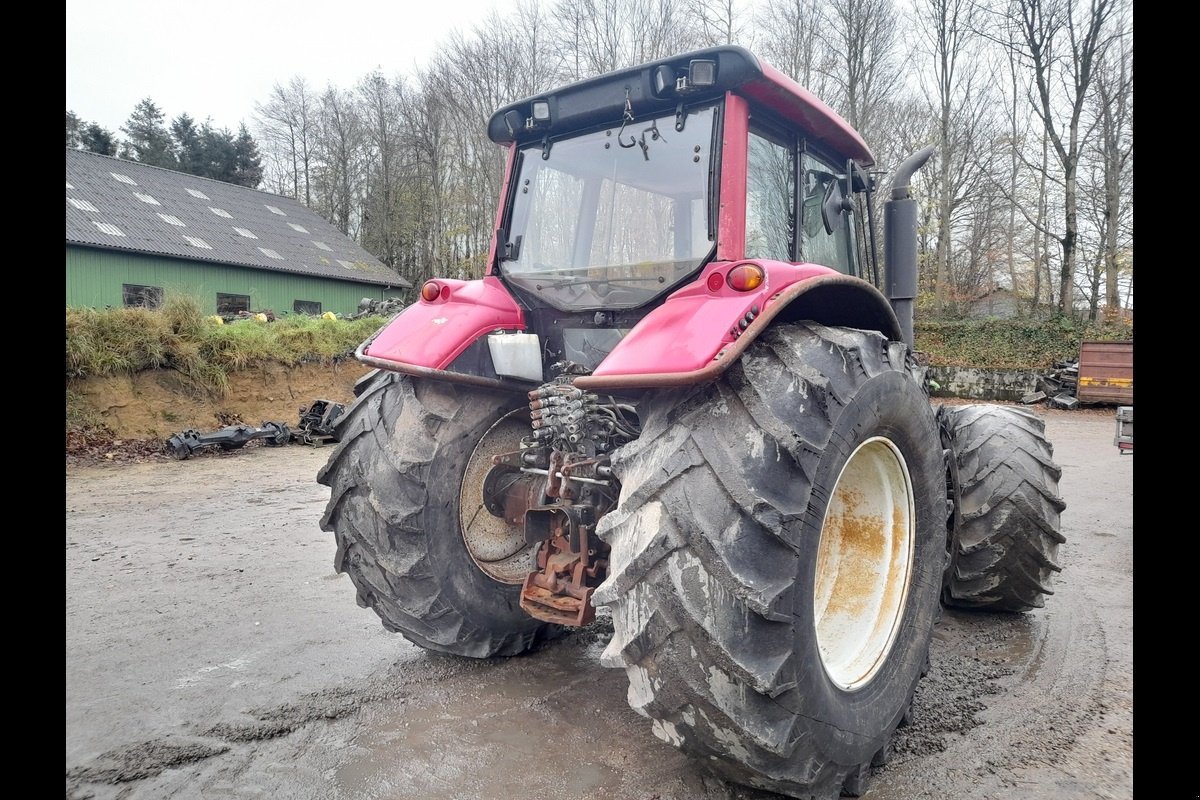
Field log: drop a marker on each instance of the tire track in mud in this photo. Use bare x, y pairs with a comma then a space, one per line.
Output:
142, 760
982, 710
148, 759
1043, 675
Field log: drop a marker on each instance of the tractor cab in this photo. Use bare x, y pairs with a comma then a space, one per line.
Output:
649, 217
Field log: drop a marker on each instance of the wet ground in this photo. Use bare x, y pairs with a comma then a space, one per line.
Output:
212, 652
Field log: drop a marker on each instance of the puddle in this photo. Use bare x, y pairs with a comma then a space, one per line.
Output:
528, 725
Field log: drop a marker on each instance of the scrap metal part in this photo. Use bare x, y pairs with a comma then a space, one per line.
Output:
231, 437
1124, 437
317, 421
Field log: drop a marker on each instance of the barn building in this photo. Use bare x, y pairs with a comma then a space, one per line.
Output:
137, 233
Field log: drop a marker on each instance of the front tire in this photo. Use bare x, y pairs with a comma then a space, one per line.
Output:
406, 482
750, 513
1007, 506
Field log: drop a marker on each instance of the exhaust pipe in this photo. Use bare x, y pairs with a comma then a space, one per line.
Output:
900, 243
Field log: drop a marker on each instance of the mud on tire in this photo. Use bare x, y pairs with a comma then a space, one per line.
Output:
395, 481
715, 548
1005, 544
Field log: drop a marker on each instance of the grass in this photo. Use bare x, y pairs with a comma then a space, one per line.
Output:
1011, 344
179, 336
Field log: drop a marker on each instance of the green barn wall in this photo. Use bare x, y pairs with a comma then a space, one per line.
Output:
95, 276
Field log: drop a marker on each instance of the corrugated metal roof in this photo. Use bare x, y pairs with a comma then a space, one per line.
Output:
184, 209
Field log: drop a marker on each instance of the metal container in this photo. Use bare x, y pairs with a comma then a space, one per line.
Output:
1106, 373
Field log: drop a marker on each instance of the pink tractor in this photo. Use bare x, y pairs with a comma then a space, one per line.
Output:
680, 394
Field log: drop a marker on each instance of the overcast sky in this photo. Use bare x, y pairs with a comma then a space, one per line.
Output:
217, 58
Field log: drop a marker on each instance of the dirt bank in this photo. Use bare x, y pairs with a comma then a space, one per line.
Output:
158, 403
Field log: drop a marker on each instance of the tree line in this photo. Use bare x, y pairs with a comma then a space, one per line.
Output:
197, 149
1029, 103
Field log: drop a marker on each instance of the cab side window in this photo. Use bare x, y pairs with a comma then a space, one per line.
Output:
833, 250
770, 197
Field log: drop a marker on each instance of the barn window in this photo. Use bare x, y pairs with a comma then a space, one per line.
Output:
307, 307
232, 303
134, 296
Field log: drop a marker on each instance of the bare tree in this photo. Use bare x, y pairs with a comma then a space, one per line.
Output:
381, 123
866, 75
975, 264
1015, 139
947, 26
501, 61
720, 22
589, 36
660, 28
1025, 180
796, 44
339, 147
1063, 82
1092, 213
1114, 86
287, 126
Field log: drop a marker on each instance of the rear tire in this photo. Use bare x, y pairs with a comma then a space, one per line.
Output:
397, 481
720, 580
1006, 537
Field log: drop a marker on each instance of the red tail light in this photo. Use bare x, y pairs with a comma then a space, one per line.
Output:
430, 291
745, 277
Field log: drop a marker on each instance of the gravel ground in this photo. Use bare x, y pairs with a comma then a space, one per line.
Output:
212, 652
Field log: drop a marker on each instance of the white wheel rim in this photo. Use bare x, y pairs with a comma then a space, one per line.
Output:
497, 548
864, 563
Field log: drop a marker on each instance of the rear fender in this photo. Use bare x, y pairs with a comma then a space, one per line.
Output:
425, 338
698, 332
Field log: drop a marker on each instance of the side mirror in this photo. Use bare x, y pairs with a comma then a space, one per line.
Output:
834, 205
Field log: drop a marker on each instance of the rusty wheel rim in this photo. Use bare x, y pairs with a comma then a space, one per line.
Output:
497, 548
864, 563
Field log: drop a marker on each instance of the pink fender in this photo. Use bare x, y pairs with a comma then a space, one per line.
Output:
699, 331
430, 335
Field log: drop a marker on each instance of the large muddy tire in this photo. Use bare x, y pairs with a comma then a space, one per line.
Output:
777, 556
1006, 523
406, 481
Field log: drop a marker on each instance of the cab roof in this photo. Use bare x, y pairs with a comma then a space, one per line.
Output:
650, 91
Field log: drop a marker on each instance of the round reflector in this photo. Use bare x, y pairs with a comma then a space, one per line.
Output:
430, 291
